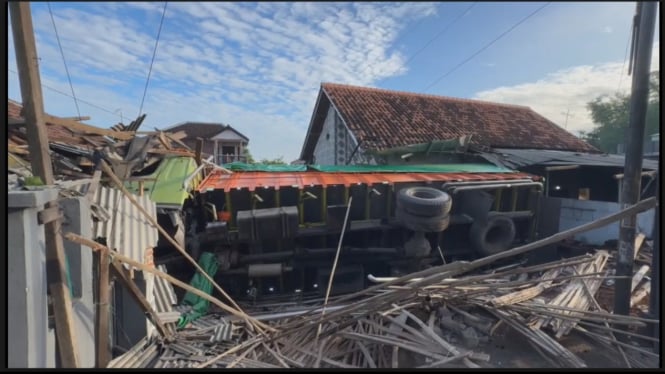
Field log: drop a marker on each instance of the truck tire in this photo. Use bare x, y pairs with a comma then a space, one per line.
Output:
424, 224
492, 236
424, 201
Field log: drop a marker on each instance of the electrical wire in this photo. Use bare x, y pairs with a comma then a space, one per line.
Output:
625, 57
80, 100
486, 46
442, 32
154, 52
64, 61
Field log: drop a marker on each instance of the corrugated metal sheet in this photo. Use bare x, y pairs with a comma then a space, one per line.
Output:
165, 298
127, 231
253, 180
517, 158
168, 188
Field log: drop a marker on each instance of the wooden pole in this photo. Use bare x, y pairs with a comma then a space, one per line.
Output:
199, 151
103, 352
33, 112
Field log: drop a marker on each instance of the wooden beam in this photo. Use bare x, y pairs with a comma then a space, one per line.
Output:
49, 215
164, 141
87, 129
138, 296
94, 246
82, 118
103, 351
33, 112
174, 152
199, 150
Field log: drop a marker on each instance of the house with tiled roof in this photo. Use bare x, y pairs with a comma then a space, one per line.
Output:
222, 141
350, 121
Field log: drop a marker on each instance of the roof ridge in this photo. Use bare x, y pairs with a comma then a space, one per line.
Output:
416, 94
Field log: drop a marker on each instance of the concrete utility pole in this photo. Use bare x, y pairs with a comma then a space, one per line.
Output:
645, 19
33, 112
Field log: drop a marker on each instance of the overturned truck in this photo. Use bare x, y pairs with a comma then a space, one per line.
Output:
275, 231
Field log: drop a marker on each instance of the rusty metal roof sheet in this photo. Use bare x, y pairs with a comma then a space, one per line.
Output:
253, 180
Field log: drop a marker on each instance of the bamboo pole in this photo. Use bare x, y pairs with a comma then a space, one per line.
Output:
117, 256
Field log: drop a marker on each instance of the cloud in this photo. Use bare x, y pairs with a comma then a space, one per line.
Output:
567, 91
256, 66
607, 29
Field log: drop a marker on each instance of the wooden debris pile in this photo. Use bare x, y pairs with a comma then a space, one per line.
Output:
75, 147
430, 319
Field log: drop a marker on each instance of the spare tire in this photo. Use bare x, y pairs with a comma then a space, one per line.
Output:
492, 236
424, 201
423, 224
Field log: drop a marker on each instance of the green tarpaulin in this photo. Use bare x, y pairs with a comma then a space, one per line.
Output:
208, 262
427, 168
241, 166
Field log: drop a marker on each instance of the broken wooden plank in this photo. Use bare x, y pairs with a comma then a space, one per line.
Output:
173, 152
528, 293
49, 215
639, 239
640, 294
637, 278
88, 129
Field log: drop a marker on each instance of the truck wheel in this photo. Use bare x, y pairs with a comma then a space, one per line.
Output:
424, 224
424, 201
492, 236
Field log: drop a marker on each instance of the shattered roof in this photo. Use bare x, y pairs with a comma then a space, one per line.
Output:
55, 132
518, 158
383, 119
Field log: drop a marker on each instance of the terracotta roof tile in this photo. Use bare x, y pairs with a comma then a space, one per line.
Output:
56, 133
383, 119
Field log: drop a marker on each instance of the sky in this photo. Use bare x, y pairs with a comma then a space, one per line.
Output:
259, 66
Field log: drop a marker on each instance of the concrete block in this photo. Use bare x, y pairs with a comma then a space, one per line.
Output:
31, 199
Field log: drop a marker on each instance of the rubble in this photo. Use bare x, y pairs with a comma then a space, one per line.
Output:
415, 321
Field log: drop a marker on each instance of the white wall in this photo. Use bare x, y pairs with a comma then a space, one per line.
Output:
578, 212
336, 145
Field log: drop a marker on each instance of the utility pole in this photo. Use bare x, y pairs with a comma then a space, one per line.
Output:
33, 112
645, 19
567, 113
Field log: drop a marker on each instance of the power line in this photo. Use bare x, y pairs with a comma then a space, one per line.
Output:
442, 32
62, 53
154, 52
631, 35
68, 95
486, 46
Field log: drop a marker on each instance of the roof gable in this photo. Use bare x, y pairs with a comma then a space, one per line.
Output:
203, 130
383, 119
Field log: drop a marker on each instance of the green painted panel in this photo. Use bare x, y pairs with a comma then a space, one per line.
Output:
166, 184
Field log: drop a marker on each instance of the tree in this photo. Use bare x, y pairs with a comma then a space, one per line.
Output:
611, 116
248, 156
277, 161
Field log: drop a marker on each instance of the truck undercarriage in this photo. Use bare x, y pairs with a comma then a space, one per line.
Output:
275, 234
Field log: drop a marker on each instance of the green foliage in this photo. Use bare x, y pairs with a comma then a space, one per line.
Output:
33, 181
248, 156
611, 115
277, 161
